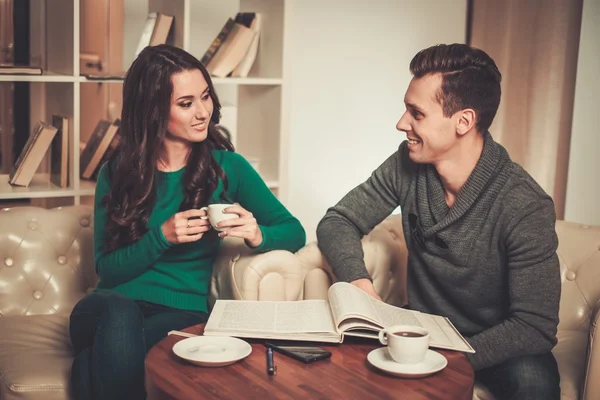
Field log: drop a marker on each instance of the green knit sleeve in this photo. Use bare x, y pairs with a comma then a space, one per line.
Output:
280, 230
124, 264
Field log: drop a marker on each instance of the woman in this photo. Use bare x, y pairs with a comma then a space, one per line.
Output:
153, 250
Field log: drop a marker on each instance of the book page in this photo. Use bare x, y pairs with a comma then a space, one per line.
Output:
442, 333
347, 301
305, 316
357, 313
390, 315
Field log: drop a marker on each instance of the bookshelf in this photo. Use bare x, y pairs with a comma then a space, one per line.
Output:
255, 108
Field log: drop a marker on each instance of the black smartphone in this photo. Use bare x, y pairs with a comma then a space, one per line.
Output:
301, 352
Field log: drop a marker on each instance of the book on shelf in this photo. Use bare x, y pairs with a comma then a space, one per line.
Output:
254, 22
95, 148
231, 52
32, 154
108, 155
17, 69
349, 312
217, 42
156, 31
59, 152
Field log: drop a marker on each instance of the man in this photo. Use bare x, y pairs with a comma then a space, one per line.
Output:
479, 230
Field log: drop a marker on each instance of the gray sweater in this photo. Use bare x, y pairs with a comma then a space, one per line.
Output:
488, 263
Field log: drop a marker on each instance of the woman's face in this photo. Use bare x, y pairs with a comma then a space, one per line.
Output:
191, 107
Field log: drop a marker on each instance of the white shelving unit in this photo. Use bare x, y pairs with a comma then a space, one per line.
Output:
259, 102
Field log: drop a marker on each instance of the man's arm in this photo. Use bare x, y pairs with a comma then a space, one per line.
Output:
342, 227
534, 291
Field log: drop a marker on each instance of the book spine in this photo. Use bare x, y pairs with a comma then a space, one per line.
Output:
218, 42
92, 144
100, 151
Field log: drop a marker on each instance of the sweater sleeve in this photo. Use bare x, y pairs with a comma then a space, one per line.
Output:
534, 291
356, 214
280, 230
124, 264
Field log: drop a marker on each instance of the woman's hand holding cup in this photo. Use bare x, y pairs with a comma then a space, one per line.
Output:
235, 221
185, 226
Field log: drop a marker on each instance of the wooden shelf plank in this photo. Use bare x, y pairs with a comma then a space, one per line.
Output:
248, 81
86, 187
39, 187
45, 77
272, 184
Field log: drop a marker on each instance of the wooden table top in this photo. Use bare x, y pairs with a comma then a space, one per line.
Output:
346, 375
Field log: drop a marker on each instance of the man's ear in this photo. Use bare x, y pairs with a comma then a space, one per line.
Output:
466, 121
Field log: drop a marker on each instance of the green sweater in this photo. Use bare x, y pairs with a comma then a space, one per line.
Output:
154, 270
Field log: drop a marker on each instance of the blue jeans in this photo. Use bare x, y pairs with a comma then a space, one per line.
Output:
523, 378
111, 334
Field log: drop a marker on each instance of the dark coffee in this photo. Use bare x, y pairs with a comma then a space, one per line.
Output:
408, 334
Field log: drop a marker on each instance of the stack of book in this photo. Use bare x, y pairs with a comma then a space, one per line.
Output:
233, 51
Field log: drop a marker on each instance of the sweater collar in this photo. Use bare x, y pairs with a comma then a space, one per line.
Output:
488, 169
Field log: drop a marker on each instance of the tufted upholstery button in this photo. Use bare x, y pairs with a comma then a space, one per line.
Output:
38, 295
571, 275
33, 226
62, 260
8, 262
84, 222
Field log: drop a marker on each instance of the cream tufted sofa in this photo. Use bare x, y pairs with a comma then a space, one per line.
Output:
46, 266
577, 351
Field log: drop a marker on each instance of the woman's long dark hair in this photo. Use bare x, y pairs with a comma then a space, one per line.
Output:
144, 119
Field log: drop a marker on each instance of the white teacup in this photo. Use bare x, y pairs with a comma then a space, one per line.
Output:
216, 213
407, 344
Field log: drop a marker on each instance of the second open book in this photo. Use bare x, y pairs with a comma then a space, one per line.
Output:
349, 311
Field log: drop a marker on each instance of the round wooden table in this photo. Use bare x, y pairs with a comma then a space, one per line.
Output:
346, 375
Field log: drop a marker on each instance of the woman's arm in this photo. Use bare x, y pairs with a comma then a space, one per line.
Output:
126, 263
280, 230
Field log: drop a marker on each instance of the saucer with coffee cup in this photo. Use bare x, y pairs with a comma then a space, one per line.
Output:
406, 353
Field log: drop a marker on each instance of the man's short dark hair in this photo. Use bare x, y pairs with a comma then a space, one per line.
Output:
470, 79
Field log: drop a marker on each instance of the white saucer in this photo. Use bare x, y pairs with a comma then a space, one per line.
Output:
433, 362
212, 351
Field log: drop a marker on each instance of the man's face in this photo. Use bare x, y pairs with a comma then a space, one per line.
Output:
430, 135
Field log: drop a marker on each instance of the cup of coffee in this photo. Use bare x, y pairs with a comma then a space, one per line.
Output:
407, 344
216, 213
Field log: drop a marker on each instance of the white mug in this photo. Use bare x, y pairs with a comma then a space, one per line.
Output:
216, 213
407, 344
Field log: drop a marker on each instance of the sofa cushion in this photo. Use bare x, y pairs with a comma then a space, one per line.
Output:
570, 355
35, 357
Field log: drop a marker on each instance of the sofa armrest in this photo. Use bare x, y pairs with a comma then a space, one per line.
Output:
318, 275
385, 257
239, 274
591, 387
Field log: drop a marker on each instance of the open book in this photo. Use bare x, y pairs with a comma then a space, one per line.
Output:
349, 311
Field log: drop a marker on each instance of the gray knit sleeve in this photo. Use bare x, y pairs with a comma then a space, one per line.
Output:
342, 227
534, 289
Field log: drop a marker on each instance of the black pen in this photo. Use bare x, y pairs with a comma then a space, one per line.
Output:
270, 364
